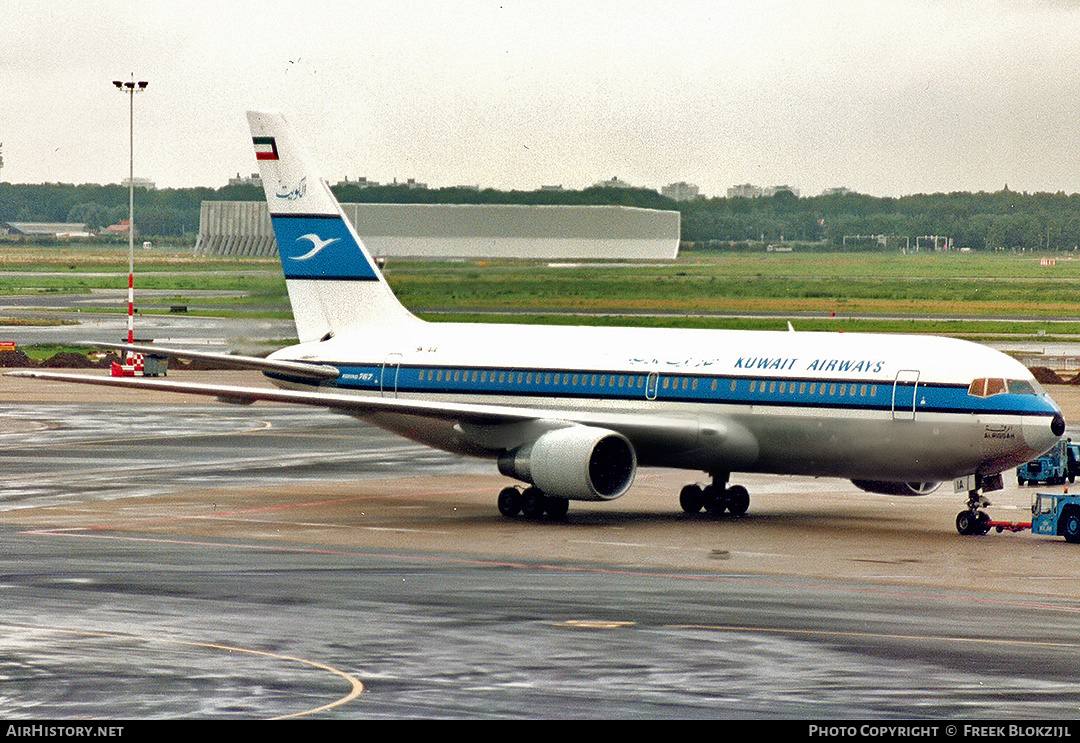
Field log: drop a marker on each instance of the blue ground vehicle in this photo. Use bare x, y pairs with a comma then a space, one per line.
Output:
1051, 468
1056, 514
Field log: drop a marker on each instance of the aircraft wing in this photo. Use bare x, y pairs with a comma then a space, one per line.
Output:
333, 400
492, 426
232, 361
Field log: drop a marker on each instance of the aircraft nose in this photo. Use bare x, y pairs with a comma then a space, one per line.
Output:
1043, 433
1057, 425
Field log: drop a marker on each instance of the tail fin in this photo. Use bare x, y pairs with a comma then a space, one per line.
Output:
334, 285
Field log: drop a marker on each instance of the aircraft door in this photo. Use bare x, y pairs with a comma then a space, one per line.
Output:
903, 395
651, 383
388, 382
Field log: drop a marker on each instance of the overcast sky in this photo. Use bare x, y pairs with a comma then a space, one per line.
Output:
886, 98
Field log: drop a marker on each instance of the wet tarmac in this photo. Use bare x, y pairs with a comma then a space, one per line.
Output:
168, 558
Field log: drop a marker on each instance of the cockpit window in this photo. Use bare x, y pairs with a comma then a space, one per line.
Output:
990, 386
1022, 387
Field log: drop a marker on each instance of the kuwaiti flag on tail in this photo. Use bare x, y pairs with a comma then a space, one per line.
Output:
265, 148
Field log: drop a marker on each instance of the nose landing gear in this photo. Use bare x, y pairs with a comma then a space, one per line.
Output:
973, 521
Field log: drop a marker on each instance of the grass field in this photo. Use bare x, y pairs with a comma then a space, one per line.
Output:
969, 295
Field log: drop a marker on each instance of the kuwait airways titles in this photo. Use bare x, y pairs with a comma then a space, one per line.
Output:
820, 365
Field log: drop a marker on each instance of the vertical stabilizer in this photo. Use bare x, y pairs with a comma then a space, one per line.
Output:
334, 285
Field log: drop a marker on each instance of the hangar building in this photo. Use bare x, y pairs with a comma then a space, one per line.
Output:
463, 231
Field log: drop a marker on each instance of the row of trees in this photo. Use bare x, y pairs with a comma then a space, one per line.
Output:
980, 221
170, 212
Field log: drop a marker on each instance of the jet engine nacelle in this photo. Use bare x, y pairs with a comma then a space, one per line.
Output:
896, 488
577, 462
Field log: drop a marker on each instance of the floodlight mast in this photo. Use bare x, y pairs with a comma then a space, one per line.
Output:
131, 88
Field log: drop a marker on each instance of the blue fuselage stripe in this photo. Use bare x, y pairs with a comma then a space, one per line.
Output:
708, 389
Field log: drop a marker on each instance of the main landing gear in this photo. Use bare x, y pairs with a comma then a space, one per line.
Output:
531, 503
716, 498
973, 521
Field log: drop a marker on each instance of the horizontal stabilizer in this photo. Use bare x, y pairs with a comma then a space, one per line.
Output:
231, 361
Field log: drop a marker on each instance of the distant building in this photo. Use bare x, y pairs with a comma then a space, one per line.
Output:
121, 228
750, 191
62, 230
252, 180
613, 183
463, 231
744, 191
680, 191
146, 183
361, 182
773, 190
410, 184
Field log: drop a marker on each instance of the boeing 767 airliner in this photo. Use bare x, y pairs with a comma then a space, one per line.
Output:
573, 412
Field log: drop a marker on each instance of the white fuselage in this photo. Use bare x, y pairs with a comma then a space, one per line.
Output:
881, 407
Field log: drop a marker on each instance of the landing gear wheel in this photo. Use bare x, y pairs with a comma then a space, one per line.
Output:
972, 523
556, 508
965, 522
509, 502
532, 503
738, 500
691, 498
715, 502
